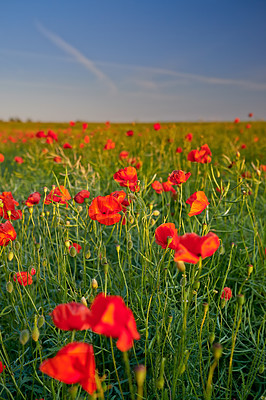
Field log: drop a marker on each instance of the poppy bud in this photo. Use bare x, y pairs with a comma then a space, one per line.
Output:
67, 244
44, 262
9, 287
40, 321
205, 307
211, 337
153, 222
79, 208
217, 349
33, 271
131, 220
31, 210
73, 251
130, 245
10, 256
94, 284
47, 213
181, 266
250, 269
67, 223
83, 301
237, 154
42, 215
261, 369
196, 285
150, 207
156, 213
88, 254
38, 245
182, 369
105, 268
140, 374
24, 336
1, 204
258, 172
9, 213
17, 246
240, 299
35, 333
221, 249
160, 383
118, 248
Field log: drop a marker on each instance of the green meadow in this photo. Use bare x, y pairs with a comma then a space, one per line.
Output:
194, 343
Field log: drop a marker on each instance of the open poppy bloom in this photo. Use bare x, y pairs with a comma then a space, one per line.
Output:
177, 177
129, 133
57, 159
2, 158
74, 363
111, 317
72, 123
40, 134
179, 150
67, 146
19, 160
127, 177
166, 235
157, 126
52, 135
105, 209
58, 195
202, 156
23, 278
123, 155
2, 367
85, 126
157, 186
226, 293
7, 233
198, 202
168, 187
191, 247
33, 199
109, 145
71, 316
189, 137
81, 196
7, 208
120, 195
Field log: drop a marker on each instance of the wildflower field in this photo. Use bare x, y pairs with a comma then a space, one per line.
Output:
132, 261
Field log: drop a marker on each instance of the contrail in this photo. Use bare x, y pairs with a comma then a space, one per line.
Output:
79, 57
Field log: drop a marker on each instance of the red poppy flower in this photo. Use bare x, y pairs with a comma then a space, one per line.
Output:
250, 115
52, 135
8, 206
33, 198
33, 271
23, 278
72, 123
248, 126
157, 127
135, 162
191, 247
243, 146
202, 156
157, 186
87, 139
109, 145
74, 363
71, 316
189, 137
58, 195
127, 177
7, 233
123, 155
40, 134
57, 159
67, 146
2, 158
237, 120
19, 160
177, 177
2, 367
226, 293
165, 232
84, 126
198, 202
76, 246
179, 150
111, 317
129, 133
167, 187
105, 209
81, 196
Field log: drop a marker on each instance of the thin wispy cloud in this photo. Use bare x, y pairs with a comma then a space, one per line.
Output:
77, 55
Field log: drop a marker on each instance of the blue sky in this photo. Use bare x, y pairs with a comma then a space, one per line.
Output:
141, 60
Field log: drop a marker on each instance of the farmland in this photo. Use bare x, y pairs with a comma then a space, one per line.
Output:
168, 292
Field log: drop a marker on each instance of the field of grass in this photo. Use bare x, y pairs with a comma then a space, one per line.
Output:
194, 343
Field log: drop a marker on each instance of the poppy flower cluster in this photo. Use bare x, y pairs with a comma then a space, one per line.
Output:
7, 233
109, 145
189, 247
127, 177
203, 155
7, 206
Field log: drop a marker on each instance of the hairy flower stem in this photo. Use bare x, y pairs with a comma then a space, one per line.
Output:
126, 361
208, 391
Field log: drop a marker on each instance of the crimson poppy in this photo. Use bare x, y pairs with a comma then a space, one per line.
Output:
202, 156
127, 177
105, 209
237, 120
123, 155
248, 126
58, 195
7, 233
157, 186
87, 139
2, 158
67, 146
250, 115
129, 133
7, 210
168, 187
84, 126
52, 135
81, 196
179, 150
177, 177
109, 145
111, 317
166, 235
2, 367
19, 160
71, 316
157, 127
23, 278
191, 247
226, 293
74, 363
57, 159
33, 199
198, 202
189, 137
72, 123
40, 134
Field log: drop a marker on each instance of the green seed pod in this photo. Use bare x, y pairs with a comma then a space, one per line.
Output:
140, 374
105, 268
40, 321
35, 333
130, 245
217, 349
9, 287
10, 256
44, 262
181, 266
88, 255
104, 260
182, 369
73, 252
24, 336
94, 284
240, 299
211, 337
17, 246
196, 285
261, 369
